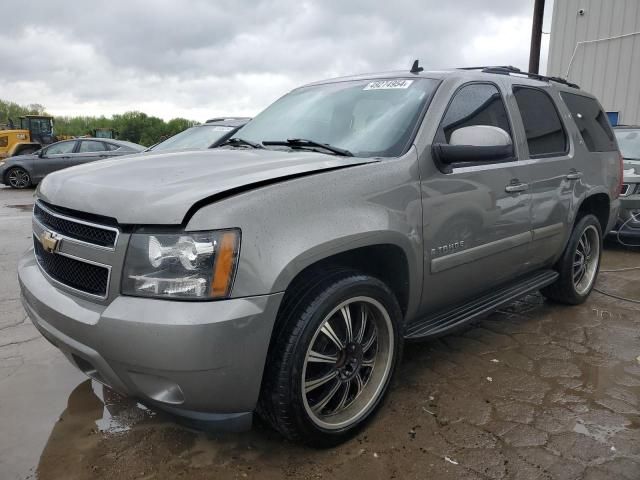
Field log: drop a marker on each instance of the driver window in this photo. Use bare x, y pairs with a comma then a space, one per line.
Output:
60, 148
474, 104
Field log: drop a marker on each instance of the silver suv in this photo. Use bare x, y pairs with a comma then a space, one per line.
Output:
282, 273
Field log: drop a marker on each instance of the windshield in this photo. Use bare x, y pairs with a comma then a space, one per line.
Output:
200, 137
629, 142
367, 118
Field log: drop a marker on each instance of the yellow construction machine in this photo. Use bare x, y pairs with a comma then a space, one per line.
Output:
104, 133
34, 132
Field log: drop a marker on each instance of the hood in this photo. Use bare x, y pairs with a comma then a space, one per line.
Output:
19, 158
160, 189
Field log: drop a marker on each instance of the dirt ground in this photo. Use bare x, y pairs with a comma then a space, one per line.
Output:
534, 391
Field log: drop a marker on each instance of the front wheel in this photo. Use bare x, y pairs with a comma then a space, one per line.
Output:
18, 178
579, 264
333, 359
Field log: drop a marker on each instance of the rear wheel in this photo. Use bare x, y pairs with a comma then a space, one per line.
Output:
18, 177
579, 264
333, 359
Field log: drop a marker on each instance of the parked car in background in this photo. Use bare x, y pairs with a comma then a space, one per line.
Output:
24, 171
627, 229
283, 272
210, 134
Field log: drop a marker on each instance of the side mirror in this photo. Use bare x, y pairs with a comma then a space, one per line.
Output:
41, 153
477, 143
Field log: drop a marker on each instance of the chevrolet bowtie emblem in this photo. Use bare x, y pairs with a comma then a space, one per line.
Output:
50, 241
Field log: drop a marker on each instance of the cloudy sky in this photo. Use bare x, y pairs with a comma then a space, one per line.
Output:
204, 58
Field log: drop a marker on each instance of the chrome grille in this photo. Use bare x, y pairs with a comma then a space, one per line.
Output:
87, 232
75, 273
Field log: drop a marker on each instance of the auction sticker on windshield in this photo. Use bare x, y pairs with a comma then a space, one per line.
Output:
222, 129
388, 84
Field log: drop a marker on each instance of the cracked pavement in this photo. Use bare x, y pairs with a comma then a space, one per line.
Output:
533, 391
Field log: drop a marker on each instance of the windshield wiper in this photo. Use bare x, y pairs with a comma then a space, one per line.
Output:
236, 141
304, 143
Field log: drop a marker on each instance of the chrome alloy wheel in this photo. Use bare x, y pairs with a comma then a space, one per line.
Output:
585, 261
19, 178
348, 362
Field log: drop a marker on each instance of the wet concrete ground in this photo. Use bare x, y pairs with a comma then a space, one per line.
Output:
534, 391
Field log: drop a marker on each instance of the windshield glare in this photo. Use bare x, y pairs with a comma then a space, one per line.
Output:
200, 137
629, 142
370, 118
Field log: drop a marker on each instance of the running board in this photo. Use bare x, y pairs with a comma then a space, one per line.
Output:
442, 321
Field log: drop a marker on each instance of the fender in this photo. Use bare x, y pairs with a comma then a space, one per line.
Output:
337, 246
290, 225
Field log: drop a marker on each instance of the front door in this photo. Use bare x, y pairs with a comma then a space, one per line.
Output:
475, 216
55, 157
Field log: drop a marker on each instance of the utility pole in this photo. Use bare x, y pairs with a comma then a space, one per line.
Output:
536, 36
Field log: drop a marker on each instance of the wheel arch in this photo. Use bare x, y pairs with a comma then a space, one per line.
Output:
387, 260
16, 165
597, 203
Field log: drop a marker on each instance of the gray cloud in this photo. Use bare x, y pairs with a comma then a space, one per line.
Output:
199, 58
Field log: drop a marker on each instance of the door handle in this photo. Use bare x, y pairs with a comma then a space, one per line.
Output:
574, 175
515, 187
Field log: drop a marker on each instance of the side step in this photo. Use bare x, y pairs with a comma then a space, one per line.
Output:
442, 321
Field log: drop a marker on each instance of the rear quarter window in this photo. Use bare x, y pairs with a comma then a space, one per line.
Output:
591, 121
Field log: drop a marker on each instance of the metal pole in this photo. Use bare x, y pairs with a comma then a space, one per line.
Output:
536, 36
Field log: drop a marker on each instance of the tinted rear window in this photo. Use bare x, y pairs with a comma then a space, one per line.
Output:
545, 133
591, 121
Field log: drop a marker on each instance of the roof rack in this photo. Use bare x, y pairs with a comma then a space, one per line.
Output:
509, 70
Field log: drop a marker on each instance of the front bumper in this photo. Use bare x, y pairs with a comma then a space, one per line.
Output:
202, 360
626, 224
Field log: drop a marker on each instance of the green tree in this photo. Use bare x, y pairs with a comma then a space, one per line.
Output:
13, 111
134, 126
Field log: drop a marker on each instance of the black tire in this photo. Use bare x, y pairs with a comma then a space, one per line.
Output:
282, 401
565, 289
18, 177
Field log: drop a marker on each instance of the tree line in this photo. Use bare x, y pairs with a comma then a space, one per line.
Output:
137, 127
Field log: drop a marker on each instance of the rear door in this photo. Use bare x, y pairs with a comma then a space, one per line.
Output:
552, 170
90, 151
476, 224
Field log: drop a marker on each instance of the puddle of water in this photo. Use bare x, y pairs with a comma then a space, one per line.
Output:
26, 207
598, 432
119, 413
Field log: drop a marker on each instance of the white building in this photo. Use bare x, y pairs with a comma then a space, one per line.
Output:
596, 44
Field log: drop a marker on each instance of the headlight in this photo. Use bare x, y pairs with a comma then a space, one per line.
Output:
189, 265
